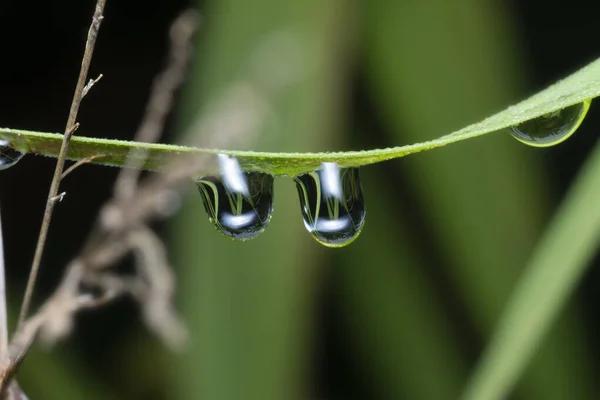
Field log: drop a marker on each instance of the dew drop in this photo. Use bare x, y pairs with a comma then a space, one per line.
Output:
551, 128
238, 203
332, 204
8, 155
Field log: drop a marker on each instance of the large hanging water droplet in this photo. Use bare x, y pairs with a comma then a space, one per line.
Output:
332, 204
8, 155
238, 203
551, 128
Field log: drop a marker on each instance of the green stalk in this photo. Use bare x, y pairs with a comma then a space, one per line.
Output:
582, 85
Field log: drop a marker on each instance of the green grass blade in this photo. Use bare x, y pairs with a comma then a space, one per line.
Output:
250, 305
482, 233
394, 320
583, 84
554, 270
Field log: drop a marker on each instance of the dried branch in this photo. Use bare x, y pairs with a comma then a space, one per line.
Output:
60, 163
79, 164
153, 284
161, 101
90, 85
122, 225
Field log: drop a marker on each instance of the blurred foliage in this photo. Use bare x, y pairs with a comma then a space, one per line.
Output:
556, 266
405, 311
462, 67
252, 310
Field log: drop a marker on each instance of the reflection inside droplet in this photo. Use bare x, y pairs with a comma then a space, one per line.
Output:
332, 204
551, 128
8, 155
238, 203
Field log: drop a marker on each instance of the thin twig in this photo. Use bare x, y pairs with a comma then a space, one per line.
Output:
123, 228
59, 197
79, 164
73, 128
152, 285
90, 85
60, 163
161, 101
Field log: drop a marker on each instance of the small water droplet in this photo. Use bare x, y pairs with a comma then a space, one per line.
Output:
332, 204
238, 203
8, 155
551, 128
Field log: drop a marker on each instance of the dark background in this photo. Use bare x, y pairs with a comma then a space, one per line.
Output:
40, 46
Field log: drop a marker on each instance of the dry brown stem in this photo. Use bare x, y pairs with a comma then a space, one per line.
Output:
122, 226
79, 163
153, 283
62, 157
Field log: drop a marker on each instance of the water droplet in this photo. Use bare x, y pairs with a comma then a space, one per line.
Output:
238, 203
8, 155
332, 204
551, 128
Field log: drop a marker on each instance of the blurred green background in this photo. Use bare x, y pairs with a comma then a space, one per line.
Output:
402, 313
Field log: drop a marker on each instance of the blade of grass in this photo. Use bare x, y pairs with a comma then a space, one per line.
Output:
484, 232
583, 84
249, 304
551, 276
393, 319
